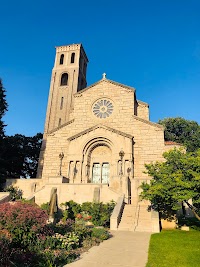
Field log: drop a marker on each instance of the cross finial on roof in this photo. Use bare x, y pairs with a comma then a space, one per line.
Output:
104, 75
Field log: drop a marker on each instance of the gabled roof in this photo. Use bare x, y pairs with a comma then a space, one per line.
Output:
108, 81
98, 126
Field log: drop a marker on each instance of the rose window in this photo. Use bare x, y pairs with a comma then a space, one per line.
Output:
103, 108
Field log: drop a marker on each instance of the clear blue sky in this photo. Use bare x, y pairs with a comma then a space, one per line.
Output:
153, 46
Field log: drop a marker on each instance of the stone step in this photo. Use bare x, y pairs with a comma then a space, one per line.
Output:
143, 230
129, 211
125, 229
144, 217
126, 222
145, 211
130, 216
144, 227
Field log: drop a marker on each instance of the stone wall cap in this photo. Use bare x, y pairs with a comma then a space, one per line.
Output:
60, 127
148, 122
143, 103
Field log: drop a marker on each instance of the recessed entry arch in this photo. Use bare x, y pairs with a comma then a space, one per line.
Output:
97, 155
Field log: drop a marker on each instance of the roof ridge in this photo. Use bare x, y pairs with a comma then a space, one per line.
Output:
106, 80
96, 127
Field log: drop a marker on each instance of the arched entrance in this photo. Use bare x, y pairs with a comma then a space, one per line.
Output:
100, 161
98, 158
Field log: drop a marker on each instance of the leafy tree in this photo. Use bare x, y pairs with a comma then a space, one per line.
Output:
182, 131
21, 155
18, 154
174, 181
3, 108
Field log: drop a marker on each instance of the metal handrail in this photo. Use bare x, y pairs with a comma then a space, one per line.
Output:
136, 216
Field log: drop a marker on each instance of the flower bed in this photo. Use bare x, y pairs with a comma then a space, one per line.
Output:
27, 240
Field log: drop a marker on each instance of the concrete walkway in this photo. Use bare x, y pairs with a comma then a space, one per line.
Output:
124, 249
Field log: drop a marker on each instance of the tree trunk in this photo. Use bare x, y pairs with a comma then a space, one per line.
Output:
192, 209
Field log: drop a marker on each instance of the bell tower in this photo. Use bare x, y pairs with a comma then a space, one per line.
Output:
68, 77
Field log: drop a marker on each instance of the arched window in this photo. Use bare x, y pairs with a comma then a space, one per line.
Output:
72, 57
61, 59
64, 79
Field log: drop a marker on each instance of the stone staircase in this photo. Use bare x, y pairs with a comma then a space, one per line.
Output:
136, 217
128, 218
143, 221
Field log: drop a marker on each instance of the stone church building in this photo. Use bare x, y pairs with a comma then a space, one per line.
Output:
97, 138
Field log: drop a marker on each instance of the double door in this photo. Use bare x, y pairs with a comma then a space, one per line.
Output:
100, 173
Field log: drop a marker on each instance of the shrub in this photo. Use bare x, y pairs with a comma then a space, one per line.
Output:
23, 221
91, 241
83, 218
56, 258
98, 213
68, 241
64, 227
193, 222
87, 206
46, 207
14, 256
82, 231
70, 210
15, 192
100, 233
5, 251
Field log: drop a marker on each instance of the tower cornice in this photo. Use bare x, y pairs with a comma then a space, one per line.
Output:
71, 47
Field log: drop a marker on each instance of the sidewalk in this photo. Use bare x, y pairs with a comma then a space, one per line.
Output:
124, 249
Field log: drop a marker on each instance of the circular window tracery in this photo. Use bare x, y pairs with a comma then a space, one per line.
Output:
103, 108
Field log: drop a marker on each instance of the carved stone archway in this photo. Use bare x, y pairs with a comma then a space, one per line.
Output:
97, 160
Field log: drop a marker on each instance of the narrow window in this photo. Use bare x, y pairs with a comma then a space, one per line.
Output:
61, 103
61, 59
64, 79
59, 122
72, 57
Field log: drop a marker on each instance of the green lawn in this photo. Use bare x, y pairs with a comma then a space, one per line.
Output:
174, 249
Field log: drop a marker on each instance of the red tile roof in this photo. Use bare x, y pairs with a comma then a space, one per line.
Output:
168, 143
